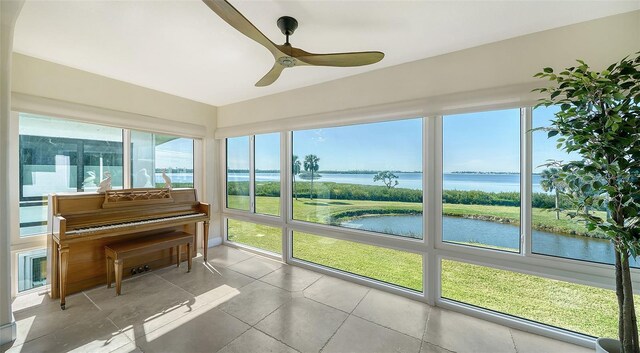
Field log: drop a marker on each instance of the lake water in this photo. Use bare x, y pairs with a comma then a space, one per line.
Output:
457, 229
451, 181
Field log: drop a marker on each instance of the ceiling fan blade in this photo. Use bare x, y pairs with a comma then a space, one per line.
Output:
232, 16
271, 76
342, 59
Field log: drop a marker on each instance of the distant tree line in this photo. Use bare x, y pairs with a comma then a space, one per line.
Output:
338, 191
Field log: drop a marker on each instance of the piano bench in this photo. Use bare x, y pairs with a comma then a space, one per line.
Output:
117, 253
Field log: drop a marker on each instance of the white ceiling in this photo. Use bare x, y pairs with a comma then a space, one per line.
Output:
183, 48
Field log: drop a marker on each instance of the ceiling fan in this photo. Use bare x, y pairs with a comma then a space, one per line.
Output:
285, 55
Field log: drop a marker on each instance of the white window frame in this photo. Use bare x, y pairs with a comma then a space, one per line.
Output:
431, 247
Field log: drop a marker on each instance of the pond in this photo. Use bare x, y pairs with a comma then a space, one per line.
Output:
457, 229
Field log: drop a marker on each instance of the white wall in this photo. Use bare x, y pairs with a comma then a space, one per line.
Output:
68, 88
511, 62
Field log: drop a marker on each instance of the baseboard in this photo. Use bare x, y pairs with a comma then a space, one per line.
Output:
215, 241
8, 332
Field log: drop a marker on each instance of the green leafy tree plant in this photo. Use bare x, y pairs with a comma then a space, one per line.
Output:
296, 165
599, 119
311, 165
389, 179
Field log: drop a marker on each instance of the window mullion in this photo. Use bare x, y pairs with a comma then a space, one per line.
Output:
252, 174
126, 159
525, 180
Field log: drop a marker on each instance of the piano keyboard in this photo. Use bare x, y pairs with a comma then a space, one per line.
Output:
81, 231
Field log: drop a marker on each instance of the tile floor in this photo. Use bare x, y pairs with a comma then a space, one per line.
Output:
241, 303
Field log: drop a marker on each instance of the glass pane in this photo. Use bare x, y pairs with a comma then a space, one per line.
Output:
267, 176
365, 177
589, 310
553, 231
397, 267
481, 179
238, 173
255, 235
152, 154
32, 269
62, 156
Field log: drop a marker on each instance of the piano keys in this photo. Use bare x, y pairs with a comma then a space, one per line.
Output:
80, 225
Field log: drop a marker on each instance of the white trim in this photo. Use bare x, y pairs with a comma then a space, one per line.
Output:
8, 332
73, 111
514, 96
525, 181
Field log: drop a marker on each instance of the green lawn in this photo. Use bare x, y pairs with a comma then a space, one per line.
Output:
576, 307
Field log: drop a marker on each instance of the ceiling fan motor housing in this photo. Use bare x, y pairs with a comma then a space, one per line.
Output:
287, 25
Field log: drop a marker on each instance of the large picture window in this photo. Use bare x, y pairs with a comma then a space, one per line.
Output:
152, 154
366, 177
59, 156
554, 232
481, 179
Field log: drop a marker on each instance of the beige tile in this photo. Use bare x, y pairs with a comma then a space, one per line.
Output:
256, 341
226, 256
303, 324
360, 336
291, 278
47, 317
206, 282
255, 302
207, 329
256, 266
430, 348
89, 336
128, 348
395, 312
462, 333
337, 293
530, 343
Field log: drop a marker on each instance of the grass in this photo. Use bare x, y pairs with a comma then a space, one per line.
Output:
571, 306
581, 308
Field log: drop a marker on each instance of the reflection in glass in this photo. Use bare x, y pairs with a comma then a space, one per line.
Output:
62, 156
481, 179
151, 154
267, 174
32, 269
366, 177
238, 173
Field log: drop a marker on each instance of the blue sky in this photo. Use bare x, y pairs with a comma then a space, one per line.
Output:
485, 142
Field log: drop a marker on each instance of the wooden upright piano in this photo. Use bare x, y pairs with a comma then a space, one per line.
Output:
82, 224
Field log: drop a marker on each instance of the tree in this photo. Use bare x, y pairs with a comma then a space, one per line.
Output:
311, 165
551, 182
295, 169
599, 118
389, 179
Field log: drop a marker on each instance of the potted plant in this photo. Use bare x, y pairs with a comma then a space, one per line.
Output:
599, 119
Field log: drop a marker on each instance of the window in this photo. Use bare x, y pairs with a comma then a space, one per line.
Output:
481, 179
32, 269
553, 231
396, 267
366, 177
152, 154
238, 173
62, 156
267, 174
584, 309
255, 235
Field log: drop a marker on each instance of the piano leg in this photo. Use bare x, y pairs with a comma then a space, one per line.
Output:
179, 257
63, 255
205, 240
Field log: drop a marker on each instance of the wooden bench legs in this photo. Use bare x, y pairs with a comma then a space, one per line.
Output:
117, 266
